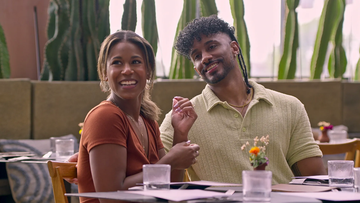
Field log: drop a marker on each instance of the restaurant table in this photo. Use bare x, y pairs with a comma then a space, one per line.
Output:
276, 197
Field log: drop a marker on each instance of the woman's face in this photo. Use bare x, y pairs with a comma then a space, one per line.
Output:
126, 70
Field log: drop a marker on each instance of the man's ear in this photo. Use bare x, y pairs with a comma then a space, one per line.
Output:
235, 47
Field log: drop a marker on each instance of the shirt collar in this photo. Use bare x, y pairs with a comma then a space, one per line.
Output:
261, 93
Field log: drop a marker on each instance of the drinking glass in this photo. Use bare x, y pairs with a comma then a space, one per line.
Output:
341, 173
156, 176
257, 185
64, 149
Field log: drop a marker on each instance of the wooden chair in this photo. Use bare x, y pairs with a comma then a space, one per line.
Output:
58, 171
351, 148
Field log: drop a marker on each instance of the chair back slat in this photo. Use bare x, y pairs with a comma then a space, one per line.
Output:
351, 148
58, 171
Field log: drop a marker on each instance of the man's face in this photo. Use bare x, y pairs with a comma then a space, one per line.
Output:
213, 57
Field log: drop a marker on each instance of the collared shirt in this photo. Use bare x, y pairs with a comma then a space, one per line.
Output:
220, 131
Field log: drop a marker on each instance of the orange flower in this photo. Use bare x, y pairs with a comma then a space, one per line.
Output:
254, 150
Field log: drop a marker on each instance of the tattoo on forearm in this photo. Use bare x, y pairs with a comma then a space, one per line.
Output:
296, 170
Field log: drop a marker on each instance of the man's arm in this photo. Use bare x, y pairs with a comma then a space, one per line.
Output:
309, 166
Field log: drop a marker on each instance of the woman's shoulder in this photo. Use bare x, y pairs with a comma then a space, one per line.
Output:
105, 110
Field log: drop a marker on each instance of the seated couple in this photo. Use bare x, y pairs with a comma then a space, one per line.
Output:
121, 134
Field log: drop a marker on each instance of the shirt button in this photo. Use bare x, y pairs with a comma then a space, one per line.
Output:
236, 115
244, 129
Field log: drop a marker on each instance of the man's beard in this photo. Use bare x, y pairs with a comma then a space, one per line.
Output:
217, 77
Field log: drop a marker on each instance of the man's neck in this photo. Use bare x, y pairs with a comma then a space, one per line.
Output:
231, 89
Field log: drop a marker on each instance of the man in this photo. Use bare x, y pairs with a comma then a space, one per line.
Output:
233, 110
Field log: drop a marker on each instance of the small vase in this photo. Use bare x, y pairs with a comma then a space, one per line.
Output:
261, 167
324, 136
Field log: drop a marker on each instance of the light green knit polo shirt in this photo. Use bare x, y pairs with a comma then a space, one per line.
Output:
220, 131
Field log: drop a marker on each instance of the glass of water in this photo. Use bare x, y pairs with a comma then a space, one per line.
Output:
341, 173
257, 186
64, 149
156, 176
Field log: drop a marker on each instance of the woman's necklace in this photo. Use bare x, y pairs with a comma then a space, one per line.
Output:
138, 128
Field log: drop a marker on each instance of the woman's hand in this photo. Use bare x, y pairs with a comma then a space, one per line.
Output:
73, 158
183, 117
183, 155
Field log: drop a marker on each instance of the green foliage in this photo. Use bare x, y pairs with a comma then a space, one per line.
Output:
337, 60
149, 25
181, 67
129, 17
238, 12
357, 70
331, 16
287, 65
75, 32
4, 56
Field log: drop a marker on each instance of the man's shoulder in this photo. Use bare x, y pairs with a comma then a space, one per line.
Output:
275, 96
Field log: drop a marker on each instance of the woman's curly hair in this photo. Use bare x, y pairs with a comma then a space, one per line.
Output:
207, 26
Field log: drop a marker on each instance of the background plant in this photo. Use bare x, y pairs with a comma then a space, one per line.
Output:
4, 56
287, 65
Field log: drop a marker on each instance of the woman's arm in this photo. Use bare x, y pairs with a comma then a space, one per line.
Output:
108, 169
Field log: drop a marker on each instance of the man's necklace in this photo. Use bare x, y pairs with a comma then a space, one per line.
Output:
247, 103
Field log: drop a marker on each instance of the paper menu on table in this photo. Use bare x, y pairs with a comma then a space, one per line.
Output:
180, 195
311, 180
172, 195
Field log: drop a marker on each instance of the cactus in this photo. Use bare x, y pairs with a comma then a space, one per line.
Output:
129, 16
181, 67
149, 25
287, 65
337, 59
329, 20
75, 30
357, 70
237, 11
4, 56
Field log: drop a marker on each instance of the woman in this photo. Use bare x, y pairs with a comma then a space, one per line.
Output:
121, 134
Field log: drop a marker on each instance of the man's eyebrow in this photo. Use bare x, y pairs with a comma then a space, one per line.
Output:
206, 43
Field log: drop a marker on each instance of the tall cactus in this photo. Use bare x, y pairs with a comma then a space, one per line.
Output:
75, 30
4, 56
129, 17
287, 65
330, 17
357, 70
149, 25
238, 12
337, 59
